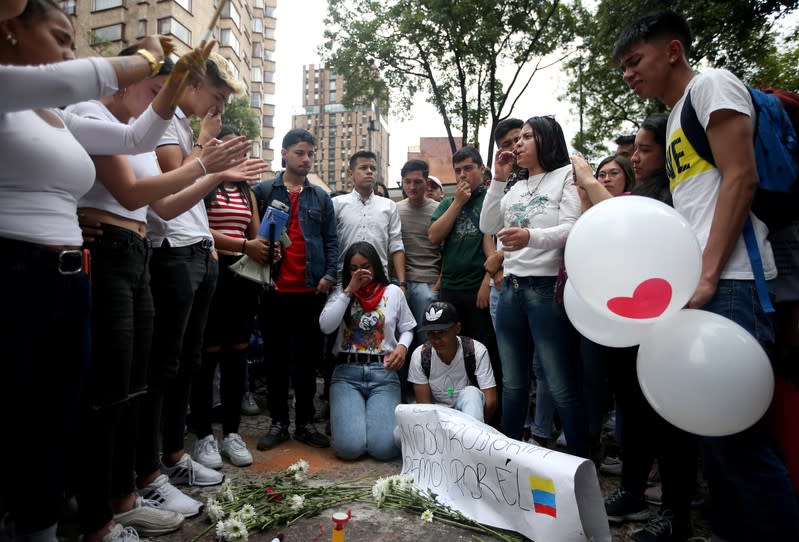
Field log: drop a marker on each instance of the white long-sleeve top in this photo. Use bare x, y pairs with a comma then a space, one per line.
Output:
45, 155
375, 332
547, 205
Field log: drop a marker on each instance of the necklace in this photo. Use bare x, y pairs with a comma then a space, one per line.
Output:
297, 188
535, 190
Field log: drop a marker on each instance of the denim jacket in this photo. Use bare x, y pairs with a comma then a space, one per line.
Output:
318, 225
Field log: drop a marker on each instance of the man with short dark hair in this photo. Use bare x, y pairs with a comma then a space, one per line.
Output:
452, 370
456, 225
363, 216
625, 145
306, 273
750, 488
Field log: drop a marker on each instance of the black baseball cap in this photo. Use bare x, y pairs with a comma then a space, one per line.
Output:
439, 315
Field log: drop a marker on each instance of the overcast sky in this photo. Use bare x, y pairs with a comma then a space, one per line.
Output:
300, 32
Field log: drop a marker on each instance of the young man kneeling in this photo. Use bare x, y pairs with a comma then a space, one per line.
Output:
452, 370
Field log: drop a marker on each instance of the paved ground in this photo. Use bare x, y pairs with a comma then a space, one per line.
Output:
368, 524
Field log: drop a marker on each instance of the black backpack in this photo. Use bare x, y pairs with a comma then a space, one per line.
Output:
263, 195
468, 359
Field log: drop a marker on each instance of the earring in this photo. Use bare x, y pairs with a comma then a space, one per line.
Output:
11, 39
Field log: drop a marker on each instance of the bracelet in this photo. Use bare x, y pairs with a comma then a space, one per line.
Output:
155, 64
202, 165
244, 247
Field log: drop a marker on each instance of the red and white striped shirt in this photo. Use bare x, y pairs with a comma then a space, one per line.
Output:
231, 217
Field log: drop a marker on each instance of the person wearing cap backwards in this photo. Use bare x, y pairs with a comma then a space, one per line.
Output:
452, 370
434, 190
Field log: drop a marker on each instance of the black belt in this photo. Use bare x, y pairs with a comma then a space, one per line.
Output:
359, 359
66, 262
205, 244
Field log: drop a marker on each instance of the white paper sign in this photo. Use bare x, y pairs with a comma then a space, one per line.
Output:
545, 495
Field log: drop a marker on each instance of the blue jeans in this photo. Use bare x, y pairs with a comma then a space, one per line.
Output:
493, 301
471, 401
362, 403
528, 314
419, 296
544, 415
750, 489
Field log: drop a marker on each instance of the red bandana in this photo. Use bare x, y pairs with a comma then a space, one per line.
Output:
370, 295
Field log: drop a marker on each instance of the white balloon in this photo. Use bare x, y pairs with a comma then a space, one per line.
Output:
633, 258
704, 373
598, 328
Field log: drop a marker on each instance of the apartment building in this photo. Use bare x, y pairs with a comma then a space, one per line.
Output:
245, 31
341, 132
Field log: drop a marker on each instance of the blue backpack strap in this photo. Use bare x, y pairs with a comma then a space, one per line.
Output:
757, 266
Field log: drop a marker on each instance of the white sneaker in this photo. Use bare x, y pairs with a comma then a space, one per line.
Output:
149, 520
119, 533
188, 472
206, 452
161, 494
236, 451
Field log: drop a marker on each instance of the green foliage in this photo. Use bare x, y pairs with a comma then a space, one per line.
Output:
242, 117
456, 53
738, 35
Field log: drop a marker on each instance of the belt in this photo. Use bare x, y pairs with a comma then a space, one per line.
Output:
205, 244
66, 261
359, 359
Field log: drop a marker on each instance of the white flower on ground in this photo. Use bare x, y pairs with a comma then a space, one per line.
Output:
235, 515
236, 531
402, 482
297, 502
215, 512
227, 495
427, 515
221, 530
300, 466
247, 513
380, 489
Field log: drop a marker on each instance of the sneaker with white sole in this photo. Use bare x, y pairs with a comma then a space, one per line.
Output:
622, 506
234, 449
119, 533
163, 495
149, 520
206, 452
188, 472
248, 405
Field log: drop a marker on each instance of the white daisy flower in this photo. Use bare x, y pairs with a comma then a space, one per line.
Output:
380, 489
236, 531
247, 513
297, 502
215, 512
427, 516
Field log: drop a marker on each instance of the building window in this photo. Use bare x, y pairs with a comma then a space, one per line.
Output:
332, 85
257, 25
269, 99
269, 12
185, 4
258, 4
68, 6
255, 74
228, 39
107, 33
265, 144
269, 55
99, 5
170, 25
230, 12
269, 77
269, 33
141, 28
257, 49
255, 99
267, 121
255, 151
332, 97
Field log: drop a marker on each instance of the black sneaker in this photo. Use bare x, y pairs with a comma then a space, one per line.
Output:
309, 435
622, 506
664, 528
277, 433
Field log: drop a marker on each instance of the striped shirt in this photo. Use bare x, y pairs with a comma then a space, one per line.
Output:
230, 217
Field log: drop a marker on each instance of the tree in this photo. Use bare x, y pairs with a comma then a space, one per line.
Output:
721, 40
456, 53
240, 116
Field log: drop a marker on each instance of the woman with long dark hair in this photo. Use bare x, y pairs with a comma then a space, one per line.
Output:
532, 221
375, 328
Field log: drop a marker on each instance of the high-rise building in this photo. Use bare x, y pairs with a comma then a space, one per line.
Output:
245, 32
437, 152
340, 132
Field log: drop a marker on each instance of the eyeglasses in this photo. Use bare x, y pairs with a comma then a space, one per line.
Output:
602, 175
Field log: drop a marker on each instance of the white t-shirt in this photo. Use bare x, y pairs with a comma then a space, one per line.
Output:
375, 332
547, 205
192, 226
144, 165
444, 377
695, 183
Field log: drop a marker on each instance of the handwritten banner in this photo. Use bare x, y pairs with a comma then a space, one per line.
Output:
540, 493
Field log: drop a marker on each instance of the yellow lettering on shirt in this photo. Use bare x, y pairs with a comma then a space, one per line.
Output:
682, 161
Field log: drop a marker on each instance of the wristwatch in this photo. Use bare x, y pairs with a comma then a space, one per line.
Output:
155, 64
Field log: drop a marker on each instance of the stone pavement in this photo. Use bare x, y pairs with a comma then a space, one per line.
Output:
368, 523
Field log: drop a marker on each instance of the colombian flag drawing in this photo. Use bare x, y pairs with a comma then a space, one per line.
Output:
543, 490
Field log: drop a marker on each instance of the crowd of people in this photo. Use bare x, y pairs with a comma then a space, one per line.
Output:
121, 229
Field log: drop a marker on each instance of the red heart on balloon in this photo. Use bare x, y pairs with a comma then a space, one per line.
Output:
650, 299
